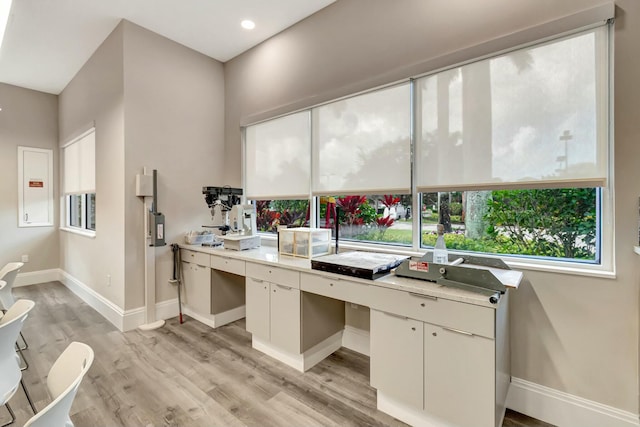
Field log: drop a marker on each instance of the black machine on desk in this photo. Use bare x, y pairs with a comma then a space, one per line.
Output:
233, 221
453, 274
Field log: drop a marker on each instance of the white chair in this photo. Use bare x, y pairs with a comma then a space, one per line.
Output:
8, 274
63, 382
11, 377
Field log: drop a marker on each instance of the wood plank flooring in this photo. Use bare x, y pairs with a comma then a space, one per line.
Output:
191, 375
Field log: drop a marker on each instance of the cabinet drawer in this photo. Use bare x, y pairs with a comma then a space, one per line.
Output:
195, 257
340, 289
230, 265
271, 274
460, 316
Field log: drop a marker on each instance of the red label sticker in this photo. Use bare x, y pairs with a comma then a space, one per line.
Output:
36, 184
418, 266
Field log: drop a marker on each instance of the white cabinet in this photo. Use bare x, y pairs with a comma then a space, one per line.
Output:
214, 287
285, 318
397, 363
35, 187
258, 307
197, 286
459, 372
273, 309
444, 373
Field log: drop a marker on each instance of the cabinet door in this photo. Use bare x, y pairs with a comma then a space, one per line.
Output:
285, 318
396, 357
459, 377
257, 304
197, 286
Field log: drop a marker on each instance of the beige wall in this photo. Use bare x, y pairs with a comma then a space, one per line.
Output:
28, 118
174, 113
572, 333
154, 103
95, 96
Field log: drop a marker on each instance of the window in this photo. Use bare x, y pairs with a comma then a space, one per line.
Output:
79, 183
529, 131
511, 153
362, 144
559, 223
277, 158
369, 218
273, 213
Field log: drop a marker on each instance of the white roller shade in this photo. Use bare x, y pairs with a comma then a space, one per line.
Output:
361, 145
79, 165
277, 158
535, 117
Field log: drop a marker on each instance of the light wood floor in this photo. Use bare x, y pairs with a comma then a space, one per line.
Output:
191, 375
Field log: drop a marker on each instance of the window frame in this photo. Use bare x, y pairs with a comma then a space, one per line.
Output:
604, 268
66, 198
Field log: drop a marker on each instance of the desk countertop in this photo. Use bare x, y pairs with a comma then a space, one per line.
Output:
269, 256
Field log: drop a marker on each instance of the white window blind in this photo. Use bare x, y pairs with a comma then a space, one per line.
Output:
79, 165
534, 117
361, 145
277, 158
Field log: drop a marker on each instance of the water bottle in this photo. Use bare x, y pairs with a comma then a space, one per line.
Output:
440, 255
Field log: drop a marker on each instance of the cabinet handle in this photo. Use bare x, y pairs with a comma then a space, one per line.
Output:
458, 331
430, 297
395, 315
257, 280
287, 288
200, 265
330, 278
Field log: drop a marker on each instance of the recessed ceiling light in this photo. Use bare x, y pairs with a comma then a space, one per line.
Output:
248, 24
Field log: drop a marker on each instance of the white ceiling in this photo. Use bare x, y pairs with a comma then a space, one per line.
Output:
48, 41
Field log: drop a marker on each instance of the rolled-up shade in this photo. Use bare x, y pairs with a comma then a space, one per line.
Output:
534, 117
277, 158
79, 165
361, 145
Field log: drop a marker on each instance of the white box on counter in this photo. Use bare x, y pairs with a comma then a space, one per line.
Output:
304, 242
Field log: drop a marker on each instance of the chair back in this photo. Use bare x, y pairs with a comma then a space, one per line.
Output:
8, 274
63, 382
10, 326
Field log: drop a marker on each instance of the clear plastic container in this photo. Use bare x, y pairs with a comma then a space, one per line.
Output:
304, 242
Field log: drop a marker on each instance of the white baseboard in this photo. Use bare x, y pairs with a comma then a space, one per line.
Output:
564, 409
406, 413
214, 320
356, 339
121, 319
300, 362
35, 277
102, 305
135, 317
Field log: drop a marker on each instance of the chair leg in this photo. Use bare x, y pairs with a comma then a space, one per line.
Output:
26, 364
26, 344
13, 416
26, 393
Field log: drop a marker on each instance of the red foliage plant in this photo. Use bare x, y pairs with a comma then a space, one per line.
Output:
389, 201
386, 221
351, 207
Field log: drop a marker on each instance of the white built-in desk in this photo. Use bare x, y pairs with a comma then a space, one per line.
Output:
439, 355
